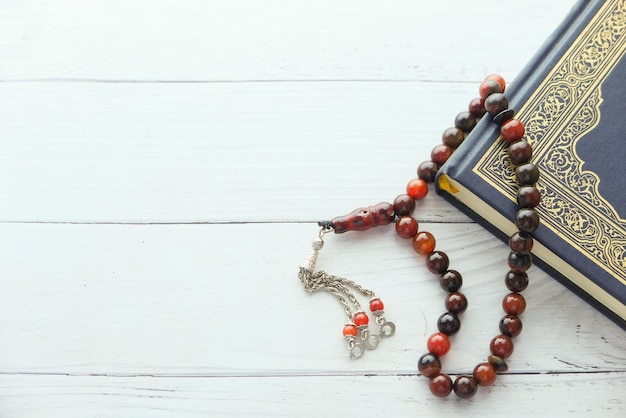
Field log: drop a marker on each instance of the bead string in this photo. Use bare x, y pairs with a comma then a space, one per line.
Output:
492, 101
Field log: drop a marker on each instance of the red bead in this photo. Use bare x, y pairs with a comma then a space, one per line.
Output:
423, 243
364, 218
417, 189
349, 330
498, 79
516, 281
501, 346
440, 385
512, 130
485, 374
440, 154
376, 305
514, 304
361, 319
438, 344
406, 227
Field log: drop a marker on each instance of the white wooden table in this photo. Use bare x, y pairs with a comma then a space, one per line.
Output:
163, 165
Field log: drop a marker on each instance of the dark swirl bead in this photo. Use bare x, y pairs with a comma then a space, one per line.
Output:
511, 325
452, 137
520, 152
498, 363
403, 205
528, 197
440, 154
449, 323
527, 174
456, 302
440, 385
465, 386
521, 242
465, 122
451, 281
429, 365
437, 262
516, 281
501, 346
527, 220
520, 262
496, 103
427, 171
489, 87
476, 107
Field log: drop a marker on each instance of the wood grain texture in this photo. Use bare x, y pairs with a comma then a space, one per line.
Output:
163, 165
226, 40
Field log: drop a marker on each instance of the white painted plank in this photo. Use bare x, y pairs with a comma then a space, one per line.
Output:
225, 300
76, 152
251, 40
586, 394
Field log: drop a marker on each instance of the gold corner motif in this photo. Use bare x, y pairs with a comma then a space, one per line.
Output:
563, 109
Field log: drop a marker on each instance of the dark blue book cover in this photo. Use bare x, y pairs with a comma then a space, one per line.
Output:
571, 97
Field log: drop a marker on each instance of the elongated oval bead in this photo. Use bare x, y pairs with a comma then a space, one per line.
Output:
364, 218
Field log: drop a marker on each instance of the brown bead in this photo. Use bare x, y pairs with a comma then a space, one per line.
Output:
527, 220
437, 262
501, 346
465, 122
520, 152
514, 304
527, 174
485, 374
465, 386
427, 171
423, 243
429, 365
498, 363
451, 281
440, 385
476, 107
520, 262
452, 137
403, 205
511, 325
499, 79
406, 227
449, 323
362, 219
516, 281
521, 242
489, 87
456, 302
496, 103
528, 197
440, 154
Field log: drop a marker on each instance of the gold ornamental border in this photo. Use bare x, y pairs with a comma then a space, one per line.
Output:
563, 109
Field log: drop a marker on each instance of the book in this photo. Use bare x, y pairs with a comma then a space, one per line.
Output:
570, 97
